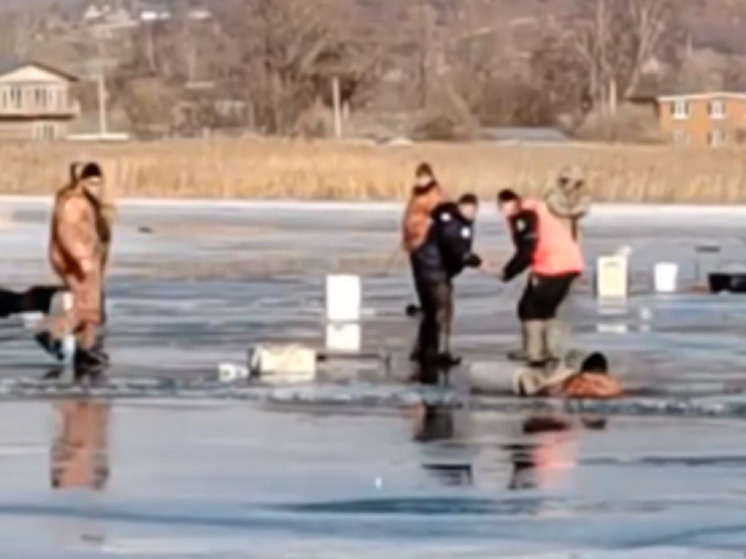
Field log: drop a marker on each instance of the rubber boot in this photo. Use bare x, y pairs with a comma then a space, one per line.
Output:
520, 354
531, 380
553, 341
535, 350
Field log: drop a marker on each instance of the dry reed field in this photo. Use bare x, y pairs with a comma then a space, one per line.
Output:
243, 168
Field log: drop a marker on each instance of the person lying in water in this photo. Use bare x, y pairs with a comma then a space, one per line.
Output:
592, 381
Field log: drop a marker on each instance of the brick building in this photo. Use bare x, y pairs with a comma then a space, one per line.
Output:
703, 119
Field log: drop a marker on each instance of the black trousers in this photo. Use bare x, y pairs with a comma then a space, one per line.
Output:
37, 298
436, 315
543, 296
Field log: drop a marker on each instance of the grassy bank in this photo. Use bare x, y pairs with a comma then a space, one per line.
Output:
273, 169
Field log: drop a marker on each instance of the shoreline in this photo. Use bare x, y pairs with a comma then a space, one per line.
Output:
601, 209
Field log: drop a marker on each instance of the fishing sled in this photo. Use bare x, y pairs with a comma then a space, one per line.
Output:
727, 282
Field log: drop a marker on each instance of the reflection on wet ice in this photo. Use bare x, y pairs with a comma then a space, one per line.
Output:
433, 424
541, 459
80, 453
79, 459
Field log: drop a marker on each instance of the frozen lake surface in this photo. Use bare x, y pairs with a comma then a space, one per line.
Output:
194, 284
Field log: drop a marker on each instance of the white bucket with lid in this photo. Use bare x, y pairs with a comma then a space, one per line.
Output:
665, 276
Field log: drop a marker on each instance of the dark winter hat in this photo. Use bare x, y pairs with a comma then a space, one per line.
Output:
468, 199
424, 170
506, 195
595, 363
91, 171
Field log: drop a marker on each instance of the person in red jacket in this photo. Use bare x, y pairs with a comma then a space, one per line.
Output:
546, 248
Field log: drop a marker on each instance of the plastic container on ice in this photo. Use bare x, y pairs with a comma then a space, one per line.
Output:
666, 276
344, 297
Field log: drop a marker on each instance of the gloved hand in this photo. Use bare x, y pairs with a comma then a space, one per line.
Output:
473, 261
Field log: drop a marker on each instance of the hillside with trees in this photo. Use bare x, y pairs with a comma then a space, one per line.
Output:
437, 69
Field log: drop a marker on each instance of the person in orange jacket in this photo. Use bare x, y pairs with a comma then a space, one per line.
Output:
91, 174
78, 250
426, 195
546, 248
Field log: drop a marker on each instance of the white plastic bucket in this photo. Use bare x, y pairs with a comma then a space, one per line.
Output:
666, 277
344, 298
612, 277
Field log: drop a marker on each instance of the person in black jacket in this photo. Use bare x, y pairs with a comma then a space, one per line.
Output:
445, 253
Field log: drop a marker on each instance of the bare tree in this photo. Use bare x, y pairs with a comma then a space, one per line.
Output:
424, 17
563, 77
148, 104
289, 50
592, 36
19, 29
648, 22
614, 40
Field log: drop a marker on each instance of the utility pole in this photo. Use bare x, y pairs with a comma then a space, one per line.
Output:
424, 52
150, 45
103, 119
190, 52
337, 102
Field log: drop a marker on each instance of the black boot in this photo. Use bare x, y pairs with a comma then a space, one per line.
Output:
448, 360
428, 372
50, 345
98, 349
415, 356
89, 365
